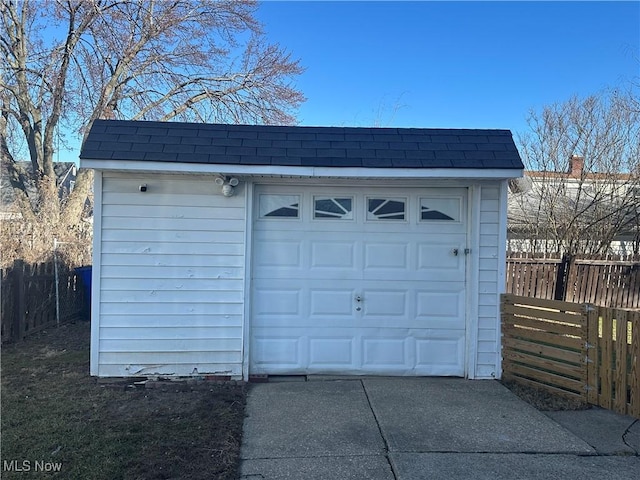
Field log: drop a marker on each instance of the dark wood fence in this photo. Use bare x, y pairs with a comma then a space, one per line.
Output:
532, 276
28, 299
611, 281
577, 350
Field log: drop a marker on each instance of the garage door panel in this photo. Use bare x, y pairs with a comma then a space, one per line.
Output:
385, 303
440, 356
283, 301
441, 256
440, 309
279, 253
291, 351
386, 353
332, 352
390, 255
362, 294
332, 254
284, 352
331, 302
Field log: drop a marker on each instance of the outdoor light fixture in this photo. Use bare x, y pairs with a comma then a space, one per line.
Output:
227, 184
143, 187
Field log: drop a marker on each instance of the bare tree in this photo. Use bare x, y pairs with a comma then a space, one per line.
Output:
583, 166
66, 63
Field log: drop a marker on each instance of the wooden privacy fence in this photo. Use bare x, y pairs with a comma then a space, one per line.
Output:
28, 298
610, 281
577, 350
530, 276
606, 282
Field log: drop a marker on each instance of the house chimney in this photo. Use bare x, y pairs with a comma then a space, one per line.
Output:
576, 164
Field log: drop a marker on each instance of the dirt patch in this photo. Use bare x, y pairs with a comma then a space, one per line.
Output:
53, 411
543, 400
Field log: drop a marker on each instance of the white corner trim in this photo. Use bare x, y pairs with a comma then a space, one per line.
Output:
473, 275
94, 362
248, 249
279, 170
502, 269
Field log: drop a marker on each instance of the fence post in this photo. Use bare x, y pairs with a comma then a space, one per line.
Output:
57, 280
635, 365
19, 305
562, 278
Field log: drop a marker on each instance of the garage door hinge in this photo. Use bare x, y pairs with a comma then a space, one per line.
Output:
467, 251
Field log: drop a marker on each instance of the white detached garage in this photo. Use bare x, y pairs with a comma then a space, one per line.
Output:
235, 250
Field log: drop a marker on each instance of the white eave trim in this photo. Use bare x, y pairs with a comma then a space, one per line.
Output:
298, 171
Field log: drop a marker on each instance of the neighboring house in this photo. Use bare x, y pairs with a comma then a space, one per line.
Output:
240, 250
542, 203
65, 179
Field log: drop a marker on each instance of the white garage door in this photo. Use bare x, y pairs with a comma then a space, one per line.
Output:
358, 281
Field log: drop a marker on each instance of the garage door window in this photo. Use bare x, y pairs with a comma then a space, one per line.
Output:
386, 208
440, 209
281, 206
339, 208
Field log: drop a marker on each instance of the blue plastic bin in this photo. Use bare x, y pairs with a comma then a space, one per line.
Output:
85, 279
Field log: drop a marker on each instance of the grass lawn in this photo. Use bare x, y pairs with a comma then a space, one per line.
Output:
58, 422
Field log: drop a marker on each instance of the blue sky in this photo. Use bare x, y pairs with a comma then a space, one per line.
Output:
451, 64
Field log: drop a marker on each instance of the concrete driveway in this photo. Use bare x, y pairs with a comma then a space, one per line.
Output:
415, 428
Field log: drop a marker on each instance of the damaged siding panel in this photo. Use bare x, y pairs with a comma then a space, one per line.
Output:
172, 281
170, 369
184, 359
486, 360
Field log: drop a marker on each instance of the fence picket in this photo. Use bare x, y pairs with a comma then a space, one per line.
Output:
571, 385
543, 350
620, 375
19, 304
634, 288
593, 380
539, 362
561, 341
543, 322
606, 366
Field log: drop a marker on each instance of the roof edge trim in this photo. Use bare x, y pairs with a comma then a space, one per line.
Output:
277, 170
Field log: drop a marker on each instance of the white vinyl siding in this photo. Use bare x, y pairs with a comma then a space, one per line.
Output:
172, 277
487, 359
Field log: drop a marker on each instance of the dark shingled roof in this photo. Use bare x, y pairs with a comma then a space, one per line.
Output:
300, 146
